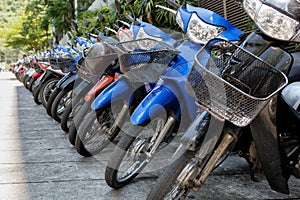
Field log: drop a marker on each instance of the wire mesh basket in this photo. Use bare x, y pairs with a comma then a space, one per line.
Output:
144, 60
232, 83
95, 61
64, 64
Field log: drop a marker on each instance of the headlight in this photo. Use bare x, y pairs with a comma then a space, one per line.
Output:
179, 20
252, 6
123, 37
272, 22
200, 32
146, 44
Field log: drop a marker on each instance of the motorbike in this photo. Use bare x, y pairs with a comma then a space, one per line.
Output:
99, 68
62, 93
51, 75
36, 74
124, 94
248, 95
168, 108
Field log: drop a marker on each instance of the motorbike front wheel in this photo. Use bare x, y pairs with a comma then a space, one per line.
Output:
94, 133
36, 94
130, 156
67, 118
46, 90
61, 101
30, 84
78, 118
178, 179
51, 99
167, 185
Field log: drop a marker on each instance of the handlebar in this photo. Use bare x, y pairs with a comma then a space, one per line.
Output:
173, 4
115, 27
110, 29
131, 19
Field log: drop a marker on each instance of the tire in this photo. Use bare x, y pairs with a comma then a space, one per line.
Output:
51, 100
65, 118
127, 147
24, 80
60, 103
92, 136
70, 111
30, 84
166, 181
72, 134
36, 94
85, 108
47, 89
26, 77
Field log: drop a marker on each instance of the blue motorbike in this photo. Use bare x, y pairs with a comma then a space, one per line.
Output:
168, 108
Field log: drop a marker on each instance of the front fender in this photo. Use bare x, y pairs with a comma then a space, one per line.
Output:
70, 81
118, 90
159, 99
264, 133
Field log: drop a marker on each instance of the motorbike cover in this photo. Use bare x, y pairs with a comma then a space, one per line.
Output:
264, 133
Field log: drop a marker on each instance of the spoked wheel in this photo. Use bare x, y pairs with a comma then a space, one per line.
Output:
78, 118
94, 133
170, 185
62, 100
36, 94
67, 118
71, 110
47, 89
189, 172
132, 154
30, 84
51, 99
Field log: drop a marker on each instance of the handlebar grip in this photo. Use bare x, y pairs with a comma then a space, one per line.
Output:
129, 18
97, 31
115, 27
173, 3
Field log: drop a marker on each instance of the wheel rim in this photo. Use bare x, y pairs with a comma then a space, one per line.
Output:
70, 120
176, 193
63, 103
97, 136
180, 189
48, 90
135, 158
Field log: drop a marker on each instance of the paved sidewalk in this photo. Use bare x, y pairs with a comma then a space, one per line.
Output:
37, 161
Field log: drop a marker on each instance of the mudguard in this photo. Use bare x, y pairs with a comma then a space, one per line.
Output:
80, 90
116, 91
70, 81
264, 133
63, 79
36, 75
48, 74
158, 100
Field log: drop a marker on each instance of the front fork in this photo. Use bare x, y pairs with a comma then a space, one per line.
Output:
195, 173
159, 136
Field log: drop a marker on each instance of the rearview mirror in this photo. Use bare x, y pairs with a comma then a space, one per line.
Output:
118, 7
100, 16
70, 36
74, 24
86, 23
130, 1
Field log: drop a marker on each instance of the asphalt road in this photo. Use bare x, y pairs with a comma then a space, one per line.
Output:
37, 161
